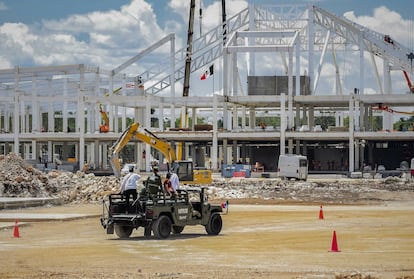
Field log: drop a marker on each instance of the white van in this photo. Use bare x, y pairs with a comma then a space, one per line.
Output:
293, 166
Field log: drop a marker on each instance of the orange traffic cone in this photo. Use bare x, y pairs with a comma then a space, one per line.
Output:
16, 229
334, 246
321, 213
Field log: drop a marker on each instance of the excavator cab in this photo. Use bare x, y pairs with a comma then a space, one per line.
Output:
184, 171
188, 175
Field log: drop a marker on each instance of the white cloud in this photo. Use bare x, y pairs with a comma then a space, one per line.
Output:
17, 43
133, 26
108, 38
97, 38
385, 21
389, 22
212, 14
180, 7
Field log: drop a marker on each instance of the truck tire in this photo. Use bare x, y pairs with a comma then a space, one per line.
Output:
123, 231
162, 227
214, 224
178, 229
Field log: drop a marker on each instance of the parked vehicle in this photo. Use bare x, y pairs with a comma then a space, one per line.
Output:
293, 166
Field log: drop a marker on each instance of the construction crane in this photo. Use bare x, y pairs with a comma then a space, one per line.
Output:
224, 19
190, 32
187, 72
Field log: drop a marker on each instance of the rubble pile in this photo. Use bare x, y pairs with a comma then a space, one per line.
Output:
17, 179
82, 188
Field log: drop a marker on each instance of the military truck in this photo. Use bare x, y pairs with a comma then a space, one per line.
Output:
160, 214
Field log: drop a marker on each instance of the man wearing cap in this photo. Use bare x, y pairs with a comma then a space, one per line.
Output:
155, 170
129, 186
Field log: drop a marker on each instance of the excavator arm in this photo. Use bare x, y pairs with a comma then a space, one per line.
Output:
164, 147
132, 132
184, 169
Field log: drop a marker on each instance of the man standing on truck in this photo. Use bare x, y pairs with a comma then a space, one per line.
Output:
175, 182
129, 185
168, 188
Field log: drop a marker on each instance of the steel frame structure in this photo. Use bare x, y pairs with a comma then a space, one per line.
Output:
71, 92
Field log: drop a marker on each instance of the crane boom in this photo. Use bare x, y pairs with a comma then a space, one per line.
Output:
187, 69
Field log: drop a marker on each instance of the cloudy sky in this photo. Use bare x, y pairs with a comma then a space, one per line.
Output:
106, 33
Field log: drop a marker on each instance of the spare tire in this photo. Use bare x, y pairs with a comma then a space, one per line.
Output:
123, 231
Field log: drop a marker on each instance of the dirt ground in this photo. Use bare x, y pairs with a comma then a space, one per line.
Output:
257, 241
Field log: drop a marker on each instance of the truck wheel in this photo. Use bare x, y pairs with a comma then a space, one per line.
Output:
214, 224
178, 229
123, 231
162, 227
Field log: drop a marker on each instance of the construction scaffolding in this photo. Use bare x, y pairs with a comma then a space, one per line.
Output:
54, 113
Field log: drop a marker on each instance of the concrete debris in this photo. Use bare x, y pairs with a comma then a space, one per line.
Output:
18, 179
338, 191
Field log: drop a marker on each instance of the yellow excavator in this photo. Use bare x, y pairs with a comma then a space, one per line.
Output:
184, 169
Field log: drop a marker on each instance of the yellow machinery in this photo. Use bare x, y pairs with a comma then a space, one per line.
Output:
184, 169
104, 128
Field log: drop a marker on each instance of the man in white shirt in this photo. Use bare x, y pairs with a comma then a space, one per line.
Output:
129, 186
175, 182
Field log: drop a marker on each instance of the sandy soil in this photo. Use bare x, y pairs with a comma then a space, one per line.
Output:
257, 241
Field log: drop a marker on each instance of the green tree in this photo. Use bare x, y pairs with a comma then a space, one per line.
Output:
404, 124
376, 123
268, 121
200, 120
325, 121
